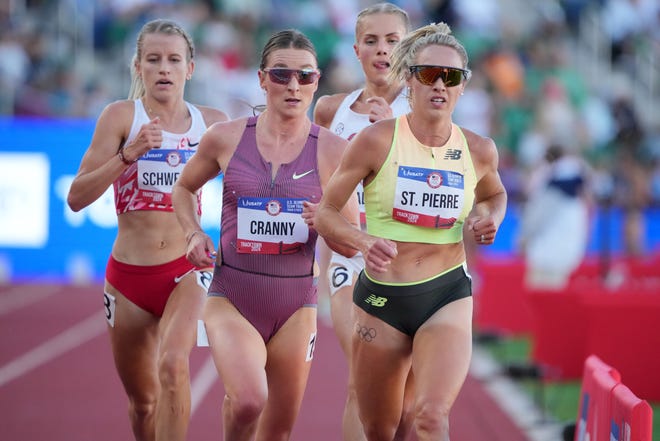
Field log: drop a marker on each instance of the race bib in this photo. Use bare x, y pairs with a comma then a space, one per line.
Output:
270, 225
202, 336
110, 305
158, 170
310, 347
360, 196
428, 198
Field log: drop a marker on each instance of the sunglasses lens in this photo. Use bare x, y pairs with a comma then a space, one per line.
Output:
452, 77
283, 76
280, 76
306, 76
428, 75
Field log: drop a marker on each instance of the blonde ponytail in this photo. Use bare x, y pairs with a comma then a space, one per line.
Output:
137, 90
405, 52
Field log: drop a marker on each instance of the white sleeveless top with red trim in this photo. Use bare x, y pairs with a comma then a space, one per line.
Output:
147, 183
347, 123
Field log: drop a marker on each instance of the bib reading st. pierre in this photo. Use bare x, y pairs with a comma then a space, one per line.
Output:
427, 197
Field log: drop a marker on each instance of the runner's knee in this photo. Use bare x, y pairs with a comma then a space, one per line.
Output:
173, 370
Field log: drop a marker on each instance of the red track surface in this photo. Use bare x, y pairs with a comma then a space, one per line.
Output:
58, 383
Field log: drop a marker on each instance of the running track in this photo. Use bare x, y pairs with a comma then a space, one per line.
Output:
58, 383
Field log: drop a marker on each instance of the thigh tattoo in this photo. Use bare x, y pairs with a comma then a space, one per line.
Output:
365, 333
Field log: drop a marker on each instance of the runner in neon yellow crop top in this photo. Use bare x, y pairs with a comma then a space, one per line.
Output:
426, 183
421, 194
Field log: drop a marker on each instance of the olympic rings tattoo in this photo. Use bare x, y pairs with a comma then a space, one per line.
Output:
366, 334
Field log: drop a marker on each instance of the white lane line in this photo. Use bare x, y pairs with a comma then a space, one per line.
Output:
202, 383
512, 399
64, 342
22, 296
81, 333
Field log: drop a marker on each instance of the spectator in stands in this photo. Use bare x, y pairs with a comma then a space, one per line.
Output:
631, 173
555, 219
14, 67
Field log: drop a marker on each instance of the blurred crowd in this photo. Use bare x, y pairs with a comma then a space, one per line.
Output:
69, 58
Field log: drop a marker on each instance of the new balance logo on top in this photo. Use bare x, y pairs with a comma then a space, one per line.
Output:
376, 301
453, 154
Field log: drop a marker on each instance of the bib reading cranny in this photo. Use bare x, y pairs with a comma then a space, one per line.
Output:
421, 193
270, 225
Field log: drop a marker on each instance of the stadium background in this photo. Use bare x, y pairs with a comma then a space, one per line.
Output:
62, 61
581, 72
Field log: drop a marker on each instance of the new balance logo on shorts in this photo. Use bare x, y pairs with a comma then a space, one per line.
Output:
376, 301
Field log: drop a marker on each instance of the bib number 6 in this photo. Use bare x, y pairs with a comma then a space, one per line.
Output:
339, 276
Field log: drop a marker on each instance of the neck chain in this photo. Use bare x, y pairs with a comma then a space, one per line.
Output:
150, 111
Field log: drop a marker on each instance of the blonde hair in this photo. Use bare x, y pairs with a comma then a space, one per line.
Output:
161, 26
382, 8
405, 52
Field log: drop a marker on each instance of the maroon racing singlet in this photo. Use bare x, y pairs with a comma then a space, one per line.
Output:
267, 249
